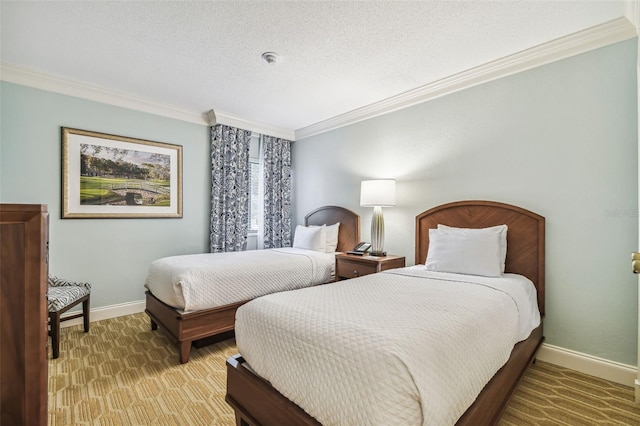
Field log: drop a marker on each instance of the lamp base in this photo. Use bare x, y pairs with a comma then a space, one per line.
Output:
378, 253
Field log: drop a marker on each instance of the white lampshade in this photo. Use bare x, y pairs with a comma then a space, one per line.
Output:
378, 193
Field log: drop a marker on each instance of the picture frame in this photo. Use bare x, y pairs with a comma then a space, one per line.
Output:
109, 176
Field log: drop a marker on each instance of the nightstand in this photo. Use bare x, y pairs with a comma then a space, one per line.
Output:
351, 266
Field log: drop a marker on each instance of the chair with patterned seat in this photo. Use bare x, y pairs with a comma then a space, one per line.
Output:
63, 295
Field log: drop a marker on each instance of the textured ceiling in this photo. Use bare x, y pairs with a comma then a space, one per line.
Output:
337, 56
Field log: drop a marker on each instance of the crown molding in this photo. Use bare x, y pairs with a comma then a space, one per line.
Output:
25, 77
583, 41
220, 117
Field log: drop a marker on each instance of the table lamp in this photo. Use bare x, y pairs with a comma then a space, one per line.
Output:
377, 194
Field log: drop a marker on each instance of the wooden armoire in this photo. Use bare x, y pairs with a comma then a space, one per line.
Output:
24, 240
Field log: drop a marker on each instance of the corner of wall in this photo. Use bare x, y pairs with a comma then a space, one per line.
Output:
632, 13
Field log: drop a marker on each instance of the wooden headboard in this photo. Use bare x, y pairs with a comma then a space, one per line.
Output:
525, 234
349, 230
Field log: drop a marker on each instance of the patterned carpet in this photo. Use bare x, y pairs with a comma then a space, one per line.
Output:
122, 373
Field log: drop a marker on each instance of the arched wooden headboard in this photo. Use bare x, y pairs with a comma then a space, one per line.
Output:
525, 234
349, 230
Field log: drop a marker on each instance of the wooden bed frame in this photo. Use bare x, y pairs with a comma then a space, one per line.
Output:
256, 402
188, 328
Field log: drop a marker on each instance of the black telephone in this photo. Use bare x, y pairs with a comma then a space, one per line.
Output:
360, 249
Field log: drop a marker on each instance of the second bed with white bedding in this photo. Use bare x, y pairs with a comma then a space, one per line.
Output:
406, 346
203, 281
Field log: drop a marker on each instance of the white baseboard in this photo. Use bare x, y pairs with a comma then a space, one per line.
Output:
588, 364
106, 312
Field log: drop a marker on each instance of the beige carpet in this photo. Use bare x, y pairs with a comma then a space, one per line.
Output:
122, 373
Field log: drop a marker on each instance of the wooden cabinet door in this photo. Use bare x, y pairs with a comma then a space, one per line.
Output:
23, 314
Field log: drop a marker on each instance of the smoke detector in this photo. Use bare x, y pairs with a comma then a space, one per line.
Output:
271, 57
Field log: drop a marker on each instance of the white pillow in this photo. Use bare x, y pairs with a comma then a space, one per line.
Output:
501, 230
332, 236
310, 238
477, 254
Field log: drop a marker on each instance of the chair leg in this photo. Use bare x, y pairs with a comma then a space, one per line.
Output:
85, 312
54, 320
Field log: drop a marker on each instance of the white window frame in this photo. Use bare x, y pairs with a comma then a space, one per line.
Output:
254, 230
255, 239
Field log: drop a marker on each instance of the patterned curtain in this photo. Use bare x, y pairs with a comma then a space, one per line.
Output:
277, 191
229, 188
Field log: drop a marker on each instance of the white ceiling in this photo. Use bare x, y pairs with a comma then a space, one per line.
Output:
337, 56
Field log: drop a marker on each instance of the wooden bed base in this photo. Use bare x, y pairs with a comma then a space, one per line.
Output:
256, 402
187, 328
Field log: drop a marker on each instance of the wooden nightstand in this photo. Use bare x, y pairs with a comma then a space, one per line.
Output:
351, 266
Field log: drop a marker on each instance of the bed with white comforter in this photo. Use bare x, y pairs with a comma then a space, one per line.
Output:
202, 281
378, 349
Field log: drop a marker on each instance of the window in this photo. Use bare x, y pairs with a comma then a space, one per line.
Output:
255, 185
254, 194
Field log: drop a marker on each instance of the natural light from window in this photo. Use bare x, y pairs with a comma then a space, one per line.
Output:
254, 193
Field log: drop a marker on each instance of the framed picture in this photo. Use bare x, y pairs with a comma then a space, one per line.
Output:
107, 176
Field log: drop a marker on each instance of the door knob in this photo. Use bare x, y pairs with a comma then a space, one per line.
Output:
635, 262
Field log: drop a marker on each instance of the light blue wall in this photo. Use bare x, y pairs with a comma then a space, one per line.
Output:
112, 254
560, 140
